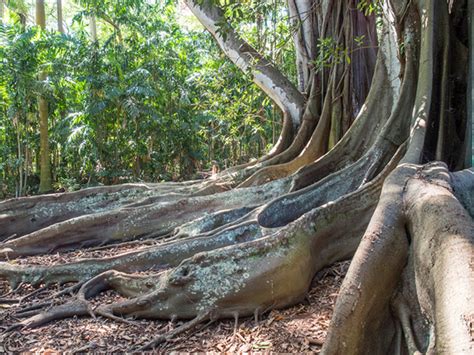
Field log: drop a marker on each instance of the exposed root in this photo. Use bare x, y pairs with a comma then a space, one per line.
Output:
58, 312
152, 258
235, 174
21, 216
293, 150
165, 337
125, 284
127, 223
463, 188
270, 173
31, 294
410, 285
231, 266
245, 279
212, 221
329, 189
419, 235
212, 232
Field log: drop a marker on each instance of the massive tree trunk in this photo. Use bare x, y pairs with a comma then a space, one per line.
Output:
355, 179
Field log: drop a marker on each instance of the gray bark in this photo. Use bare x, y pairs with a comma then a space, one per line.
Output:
285, 95
59, 11
2, 10
93, 28
410, 285
469, 161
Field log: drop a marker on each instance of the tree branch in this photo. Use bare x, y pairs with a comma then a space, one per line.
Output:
265, 74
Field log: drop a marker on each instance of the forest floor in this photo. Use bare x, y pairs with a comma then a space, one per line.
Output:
301, 328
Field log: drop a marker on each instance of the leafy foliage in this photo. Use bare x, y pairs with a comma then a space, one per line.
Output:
143, 102
369, 7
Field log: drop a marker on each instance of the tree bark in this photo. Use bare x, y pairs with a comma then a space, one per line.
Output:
285, 95
93, 28
411, 283
59, 10
470, 107
375, 196
2, 10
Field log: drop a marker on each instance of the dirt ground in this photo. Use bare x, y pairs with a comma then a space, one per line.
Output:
301, 328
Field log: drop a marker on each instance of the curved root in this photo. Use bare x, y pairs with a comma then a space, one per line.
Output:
224, 282
127, 223
419, 242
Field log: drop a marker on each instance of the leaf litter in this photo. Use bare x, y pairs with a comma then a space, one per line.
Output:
301, 328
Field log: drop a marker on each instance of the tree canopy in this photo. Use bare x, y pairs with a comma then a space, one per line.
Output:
142, 102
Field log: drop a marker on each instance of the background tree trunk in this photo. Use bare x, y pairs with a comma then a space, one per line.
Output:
59, 10
2, 10
45, 161
93, 27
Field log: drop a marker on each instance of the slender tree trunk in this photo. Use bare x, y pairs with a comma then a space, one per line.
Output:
45, 162
93, 27
19, 190
27, 168
2, 10
59, 9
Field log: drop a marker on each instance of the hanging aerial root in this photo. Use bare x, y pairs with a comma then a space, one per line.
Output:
373, 118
